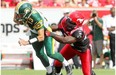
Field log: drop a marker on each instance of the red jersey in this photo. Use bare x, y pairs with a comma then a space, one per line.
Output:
78, 32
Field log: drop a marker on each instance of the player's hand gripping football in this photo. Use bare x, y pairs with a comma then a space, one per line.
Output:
22, 42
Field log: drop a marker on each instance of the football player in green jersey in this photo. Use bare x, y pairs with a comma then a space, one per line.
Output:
25, 15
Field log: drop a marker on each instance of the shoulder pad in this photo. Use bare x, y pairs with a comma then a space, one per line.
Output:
78, 34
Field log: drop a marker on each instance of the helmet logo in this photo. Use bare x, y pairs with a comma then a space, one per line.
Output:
27, 10
80, 20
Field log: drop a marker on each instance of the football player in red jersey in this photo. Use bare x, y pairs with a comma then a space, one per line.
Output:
76, 40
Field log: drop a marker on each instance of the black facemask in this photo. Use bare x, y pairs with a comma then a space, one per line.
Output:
70, 25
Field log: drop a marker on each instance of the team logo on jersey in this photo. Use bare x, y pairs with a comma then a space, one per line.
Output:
79, 35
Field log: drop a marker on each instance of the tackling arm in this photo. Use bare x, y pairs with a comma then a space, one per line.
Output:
54, 27
62, 39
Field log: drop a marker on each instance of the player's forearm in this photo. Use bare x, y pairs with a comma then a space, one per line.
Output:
59, 38
41, 36
62, 39
36, 39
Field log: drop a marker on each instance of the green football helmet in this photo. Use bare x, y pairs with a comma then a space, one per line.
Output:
23, 10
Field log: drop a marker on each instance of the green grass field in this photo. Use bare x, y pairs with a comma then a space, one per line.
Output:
43, 72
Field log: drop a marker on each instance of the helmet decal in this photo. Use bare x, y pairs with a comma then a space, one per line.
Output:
23, 10
80, 20
27, 10
77, 17
23, 7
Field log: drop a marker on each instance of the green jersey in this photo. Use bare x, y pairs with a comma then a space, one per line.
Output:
97, 31
36, 21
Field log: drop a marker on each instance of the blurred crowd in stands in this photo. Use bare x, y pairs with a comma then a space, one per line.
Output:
61, 3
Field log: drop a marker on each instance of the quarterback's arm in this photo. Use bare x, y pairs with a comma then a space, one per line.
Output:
40, 36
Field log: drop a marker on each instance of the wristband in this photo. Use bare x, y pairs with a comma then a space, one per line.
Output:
32, 40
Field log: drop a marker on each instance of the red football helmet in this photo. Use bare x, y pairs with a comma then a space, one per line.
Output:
77, 18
